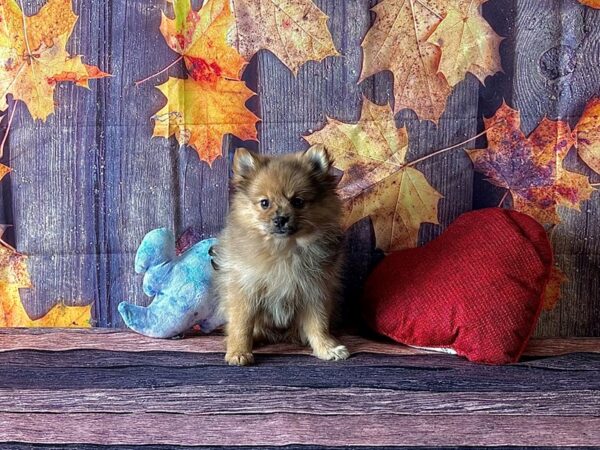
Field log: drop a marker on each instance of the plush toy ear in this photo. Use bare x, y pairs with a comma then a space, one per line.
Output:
245, 165
157, 247
319, 158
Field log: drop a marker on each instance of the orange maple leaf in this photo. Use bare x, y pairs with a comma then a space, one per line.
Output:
426, 63
33, 55
591, 3
201, 109
202, 39
531, 168
588, 135
4, 170
552, 292
377, 182
295, 31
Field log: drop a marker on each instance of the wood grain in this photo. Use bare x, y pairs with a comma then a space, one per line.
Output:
285, 429
409, 374
105, 339
551, 58
232, 399
55, 167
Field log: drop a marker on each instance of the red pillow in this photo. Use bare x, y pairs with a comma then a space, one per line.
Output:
476, 290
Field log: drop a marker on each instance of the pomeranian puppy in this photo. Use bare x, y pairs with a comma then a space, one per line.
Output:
278, 259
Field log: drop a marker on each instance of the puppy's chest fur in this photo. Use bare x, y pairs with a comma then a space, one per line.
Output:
280, 284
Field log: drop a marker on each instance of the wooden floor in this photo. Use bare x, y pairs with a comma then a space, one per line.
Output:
107, 389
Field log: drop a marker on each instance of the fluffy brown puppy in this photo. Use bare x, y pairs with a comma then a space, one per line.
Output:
279, 258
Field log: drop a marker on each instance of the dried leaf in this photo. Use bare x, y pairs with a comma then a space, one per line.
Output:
468, 43
401, 41
531, 167
33, 55
202, 39
14, 275
588, 135
294, 30
12, 313
591, 3
376, 183
552, 292
200, 114
4, 170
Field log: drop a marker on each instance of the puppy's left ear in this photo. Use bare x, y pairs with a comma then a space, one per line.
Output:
320, 159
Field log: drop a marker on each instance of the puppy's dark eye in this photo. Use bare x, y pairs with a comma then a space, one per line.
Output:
264, 203
297, 202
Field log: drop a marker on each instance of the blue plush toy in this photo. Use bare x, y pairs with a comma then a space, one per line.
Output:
180, 285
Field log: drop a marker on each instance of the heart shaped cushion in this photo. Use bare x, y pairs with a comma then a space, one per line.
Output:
476, 290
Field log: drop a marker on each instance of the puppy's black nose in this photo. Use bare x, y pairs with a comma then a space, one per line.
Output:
280, 221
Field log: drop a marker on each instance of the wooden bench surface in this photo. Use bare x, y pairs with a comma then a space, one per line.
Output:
113, 389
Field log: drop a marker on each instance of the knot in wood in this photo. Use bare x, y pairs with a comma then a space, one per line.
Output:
558, 62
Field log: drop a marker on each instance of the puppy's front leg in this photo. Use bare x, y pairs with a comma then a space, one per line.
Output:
314, 323
240, 324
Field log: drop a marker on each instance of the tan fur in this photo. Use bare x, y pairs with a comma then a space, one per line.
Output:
280, 287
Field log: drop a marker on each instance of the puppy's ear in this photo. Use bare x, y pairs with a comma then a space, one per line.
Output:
319, 158
245, 164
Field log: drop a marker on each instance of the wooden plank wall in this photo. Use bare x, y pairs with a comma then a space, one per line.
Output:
551, 61
90, 182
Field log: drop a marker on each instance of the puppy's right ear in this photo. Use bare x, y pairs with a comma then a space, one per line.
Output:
245, 165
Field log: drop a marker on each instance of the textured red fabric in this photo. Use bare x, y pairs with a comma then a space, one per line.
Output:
476, 289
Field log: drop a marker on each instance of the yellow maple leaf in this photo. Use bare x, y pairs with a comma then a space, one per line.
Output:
376, 182
468, 43
294, 30
203, 39
33, 55
12, 313
588, 135
200, 114
399, 41
14, 275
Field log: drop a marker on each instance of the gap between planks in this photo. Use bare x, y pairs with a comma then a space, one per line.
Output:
56, 339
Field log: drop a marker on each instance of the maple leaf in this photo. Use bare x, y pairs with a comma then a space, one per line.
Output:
531, 168
591, 3
14, 275
467, 43
200, 114
552, 292
4, 170
13, 314
33, 55
294, 30
588, 135
202, 39
376, 182
401, 41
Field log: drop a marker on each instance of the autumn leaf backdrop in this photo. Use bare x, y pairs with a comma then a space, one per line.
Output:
431, 108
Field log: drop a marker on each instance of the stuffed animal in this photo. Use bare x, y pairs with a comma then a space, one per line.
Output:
180, 285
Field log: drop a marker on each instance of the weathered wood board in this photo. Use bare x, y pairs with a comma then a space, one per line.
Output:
104, 392
91, 181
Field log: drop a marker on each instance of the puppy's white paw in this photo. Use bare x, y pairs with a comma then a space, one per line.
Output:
239, 359
334, 353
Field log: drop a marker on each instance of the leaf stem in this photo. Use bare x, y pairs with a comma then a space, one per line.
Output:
444, 150
595, 184
503, 199
10, 119
137, 83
